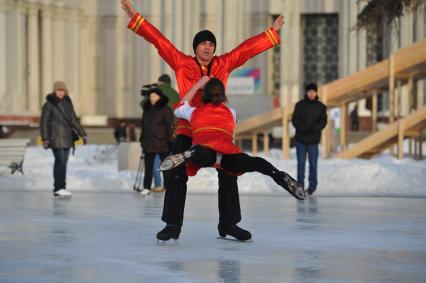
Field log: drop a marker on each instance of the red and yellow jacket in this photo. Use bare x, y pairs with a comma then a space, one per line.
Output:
213, 127
187, 70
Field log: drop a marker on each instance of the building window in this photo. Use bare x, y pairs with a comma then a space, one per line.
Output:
320, 41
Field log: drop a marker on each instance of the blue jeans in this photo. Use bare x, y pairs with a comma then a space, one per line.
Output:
312, 151
156, 172
60, 168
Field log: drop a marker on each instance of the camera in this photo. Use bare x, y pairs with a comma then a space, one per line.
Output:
147, 89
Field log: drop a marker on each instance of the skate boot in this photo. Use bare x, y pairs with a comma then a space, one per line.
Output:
174, 161
169, 232
234, 231
291, 185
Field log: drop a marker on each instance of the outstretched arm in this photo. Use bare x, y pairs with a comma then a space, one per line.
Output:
254, 45
142, 27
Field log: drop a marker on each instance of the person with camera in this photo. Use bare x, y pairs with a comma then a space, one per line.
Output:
59, 130
156, 132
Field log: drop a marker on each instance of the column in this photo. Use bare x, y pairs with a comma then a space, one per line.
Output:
33, 61
3, 67
46, 52
59, 44
343, 126
374, 106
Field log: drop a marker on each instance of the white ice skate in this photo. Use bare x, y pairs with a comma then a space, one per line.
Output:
62, 193
174, 161
145, 192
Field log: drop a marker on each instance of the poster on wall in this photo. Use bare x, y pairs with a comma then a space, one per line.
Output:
244, 81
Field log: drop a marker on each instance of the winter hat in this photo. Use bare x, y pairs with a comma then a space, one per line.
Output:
164, 78
204, 35
60, 85
311, 86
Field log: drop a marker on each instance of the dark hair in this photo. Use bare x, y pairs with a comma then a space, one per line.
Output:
214, 92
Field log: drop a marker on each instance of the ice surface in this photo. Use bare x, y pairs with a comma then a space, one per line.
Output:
106, 232
110, 237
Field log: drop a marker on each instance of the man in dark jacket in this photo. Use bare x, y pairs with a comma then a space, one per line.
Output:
57, 123
309, 118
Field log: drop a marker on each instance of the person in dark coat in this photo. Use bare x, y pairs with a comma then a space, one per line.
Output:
156, 135
309, 118
57, 123
120, 134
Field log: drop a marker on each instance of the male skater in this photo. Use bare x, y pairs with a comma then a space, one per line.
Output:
188, 70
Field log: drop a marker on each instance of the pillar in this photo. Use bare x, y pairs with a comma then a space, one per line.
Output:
33, 60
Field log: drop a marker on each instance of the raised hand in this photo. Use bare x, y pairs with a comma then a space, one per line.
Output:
128, 8
202, 82
278, 23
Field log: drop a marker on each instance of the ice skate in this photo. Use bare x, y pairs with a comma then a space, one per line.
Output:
62, 193
291, 185
174, 161
145, 192
168, 232
234, 231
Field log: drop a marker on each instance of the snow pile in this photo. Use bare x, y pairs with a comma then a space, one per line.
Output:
94, 168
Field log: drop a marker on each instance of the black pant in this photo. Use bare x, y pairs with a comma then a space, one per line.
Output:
174, 199
149, 164
60, 168
233, 163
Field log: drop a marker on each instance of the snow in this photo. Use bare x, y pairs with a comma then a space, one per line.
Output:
93, 168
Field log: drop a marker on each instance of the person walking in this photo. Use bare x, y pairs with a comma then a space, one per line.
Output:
156, 133
59, 130
309, 119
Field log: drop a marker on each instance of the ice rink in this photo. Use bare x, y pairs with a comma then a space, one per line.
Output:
110, 237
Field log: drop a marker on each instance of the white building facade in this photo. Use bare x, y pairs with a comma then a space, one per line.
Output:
86, 43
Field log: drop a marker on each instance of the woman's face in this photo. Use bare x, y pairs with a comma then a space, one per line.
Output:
153, 98
60, 93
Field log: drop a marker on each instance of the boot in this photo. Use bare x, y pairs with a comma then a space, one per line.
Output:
169, 232
291, 185
234, 231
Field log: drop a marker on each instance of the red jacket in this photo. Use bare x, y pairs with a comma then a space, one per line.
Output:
186, 68
213, 127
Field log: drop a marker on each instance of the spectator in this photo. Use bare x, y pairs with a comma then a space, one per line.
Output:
120, 132
309, 118
59, 130
156, 136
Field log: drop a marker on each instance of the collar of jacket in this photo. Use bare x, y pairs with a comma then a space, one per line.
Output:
51, 97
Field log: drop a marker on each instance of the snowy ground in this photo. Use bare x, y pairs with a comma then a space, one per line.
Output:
94, 169
106, 232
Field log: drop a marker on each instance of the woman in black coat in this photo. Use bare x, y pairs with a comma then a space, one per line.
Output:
59, 128
156, 136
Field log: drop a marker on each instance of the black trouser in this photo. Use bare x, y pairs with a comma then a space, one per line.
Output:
149, 164
174, 200
233, 163
60, 168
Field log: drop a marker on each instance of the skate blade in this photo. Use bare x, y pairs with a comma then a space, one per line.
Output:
235, 240
62, 197
166, 165
167, 243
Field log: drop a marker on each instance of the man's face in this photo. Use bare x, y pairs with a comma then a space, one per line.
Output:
205, 50
312, 94
60, 93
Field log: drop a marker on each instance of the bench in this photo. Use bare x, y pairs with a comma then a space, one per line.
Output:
12, 153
